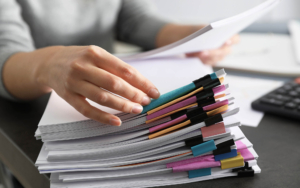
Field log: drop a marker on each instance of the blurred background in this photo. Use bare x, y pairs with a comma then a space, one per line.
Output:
189, 11
204, 12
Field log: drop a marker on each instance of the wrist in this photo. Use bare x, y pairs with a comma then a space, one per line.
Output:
43, 72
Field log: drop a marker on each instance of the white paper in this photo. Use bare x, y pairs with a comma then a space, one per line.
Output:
245, 91
263, 53
294, 28
212, 36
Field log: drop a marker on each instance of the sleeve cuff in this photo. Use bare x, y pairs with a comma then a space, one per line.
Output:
146, 38
3, 91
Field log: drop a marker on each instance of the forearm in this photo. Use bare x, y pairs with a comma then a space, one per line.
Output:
171, 33
20, 73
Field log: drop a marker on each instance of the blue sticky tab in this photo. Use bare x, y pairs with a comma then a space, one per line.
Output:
167, 97
233, 153
213, 76
203, 148
199, 172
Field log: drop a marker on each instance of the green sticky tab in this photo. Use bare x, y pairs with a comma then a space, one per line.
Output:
167, 97
199, 172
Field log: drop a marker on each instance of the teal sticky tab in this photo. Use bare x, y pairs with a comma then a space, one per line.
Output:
203, 148
213, 76
167, 97
199, 172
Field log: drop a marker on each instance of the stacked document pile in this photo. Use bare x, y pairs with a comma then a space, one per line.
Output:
187, 135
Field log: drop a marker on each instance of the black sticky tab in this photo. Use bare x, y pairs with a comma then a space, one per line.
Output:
227, 143
246, 165
202, 81
206, 102
212, 84
205, 94
246, 173
219, 151
213, 120
178, 114
194, 141
238, 169
199, 118
194, 112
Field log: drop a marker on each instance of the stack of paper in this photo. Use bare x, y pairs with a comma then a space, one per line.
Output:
189, 134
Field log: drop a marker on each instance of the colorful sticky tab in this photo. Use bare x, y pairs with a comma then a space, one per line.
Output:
233, 153
212, 130
199, 172
169, 96
233, 162
203, 148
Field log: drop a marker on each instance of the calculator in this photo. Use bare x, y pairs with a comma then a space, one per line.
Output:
283, 101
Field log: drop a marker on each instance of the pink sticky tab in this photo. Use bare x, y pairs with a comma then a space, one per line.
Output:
167, 124
246, 154
173, 107
219, 89
212, 130
240, 145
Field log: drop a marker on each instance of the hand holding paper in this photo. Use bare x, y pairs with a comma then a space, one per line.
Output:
80, 73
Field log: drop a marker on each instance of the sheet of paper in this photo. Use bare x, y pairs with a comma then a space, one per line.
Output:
294, 28
212, 36
166, 74
245, 91
263, 53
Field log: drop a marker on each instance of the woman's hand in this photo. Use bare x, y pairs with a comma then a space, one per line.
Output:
77, 73
172, 32
211, 57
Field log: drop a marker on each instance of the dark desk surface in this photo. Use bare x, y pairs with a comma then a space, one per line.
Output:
276, 140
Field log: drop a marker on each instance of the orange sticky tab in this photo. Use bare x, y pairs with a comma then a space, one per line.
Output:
220, 96
212, 130
221, 80
175, 101
178, 126
218, 110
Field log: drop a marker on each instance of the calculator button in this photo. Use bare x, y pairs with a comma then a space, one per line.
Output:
272, 102
293, 93
290, 105
297, 89
279, 97
296, 100
281, 91
287, 87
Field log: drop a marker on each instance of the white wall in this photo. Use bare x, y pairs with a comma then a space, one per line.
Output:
199, 11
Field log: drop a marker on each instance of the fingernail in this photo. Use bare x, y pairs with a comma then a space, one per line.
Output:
146, 100
115, 122
153, 93
137, 109
205, 53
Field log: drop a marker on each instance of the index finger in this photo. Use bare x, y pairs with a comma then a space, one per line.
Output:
114, 65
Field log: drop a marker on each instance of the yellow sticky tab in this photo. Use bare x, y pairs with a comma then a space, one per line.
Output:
232, 162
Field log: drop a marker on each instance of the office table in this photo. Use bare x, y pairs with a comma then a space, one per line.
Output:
276, 140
